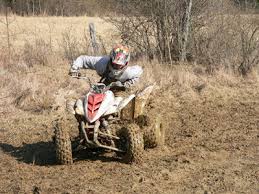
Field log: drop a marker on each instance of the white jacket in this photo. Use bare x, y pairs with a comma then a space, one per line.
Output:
129, 76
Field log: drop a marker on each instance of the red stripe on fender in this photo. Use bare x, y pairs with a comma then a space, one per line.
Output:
94, 103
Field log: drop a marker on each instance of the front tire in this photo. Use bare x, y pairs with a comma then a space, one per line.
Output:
132, 143
63, 144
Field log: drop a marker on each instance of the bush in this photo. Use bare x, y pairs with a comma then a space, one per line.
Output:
73, 46
36, 53
215, 34
230, 42
31, 93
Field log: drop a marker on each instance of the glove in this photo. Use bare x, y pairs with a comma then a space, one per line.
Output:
127, 85
74, 72
117, 84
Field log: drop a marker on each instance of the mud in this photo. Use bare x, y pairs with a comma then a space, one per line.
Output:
212, 146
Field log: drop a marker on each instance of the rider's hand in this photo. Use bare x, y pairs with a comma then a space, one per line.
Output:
127, 85
117, 84
74, 72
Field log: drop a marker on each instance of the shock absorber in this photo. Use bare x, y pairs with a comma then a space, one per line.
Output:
105, 124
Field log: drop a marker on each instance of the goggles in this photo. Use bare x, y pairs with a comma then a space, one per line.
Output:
118, 66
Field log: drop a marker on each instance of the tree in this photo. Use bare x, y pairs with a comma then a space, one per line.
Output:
159, 28
7, 21
247, 4
58, 7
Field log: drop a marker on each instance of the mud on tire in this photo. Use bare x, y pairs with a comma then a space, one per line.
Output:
154, 133
132, 142
63, 144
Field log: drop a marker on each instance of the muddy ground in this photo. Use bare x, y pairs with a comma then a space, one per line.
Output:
212, 146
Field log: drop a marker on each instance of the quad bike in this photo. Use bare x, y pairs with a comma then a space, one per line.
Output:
112, 123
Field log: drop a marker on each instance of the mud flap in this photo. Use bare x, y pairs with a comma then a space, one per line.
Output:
128, 111
136, 106
141, 100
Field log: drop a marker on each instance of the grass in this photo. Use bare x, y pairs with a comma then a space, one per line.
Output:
35, 79
50, 29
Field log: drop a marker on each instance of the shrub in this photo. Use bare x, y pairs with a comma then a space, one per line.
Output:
214, 34
36, 53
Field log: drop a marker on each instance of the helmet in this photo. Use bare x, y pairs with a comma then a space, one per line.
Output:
120, 57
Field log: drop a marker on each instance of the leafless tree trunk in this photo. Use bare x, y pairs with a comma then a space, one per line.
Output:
40, 11
8, 34
186, 31
7, 22
33, 8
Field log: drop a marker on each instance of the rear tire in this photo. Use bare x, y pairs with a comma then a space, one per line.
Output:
63, 144
132, 142
154, 133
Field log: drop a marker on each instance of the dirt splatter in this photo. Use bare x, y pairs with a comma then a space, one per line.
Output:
211, 147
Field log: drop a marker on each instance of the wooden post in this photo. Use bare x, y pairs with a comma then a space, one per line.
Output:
93, 38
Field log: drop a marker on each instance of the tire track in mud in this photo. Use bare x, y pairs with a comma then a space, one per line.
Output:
211, 146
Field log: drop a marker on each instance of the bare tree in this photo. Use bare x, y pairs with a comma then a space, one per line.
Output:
7, 21
59, 7
249, 49
159, 28
213, 33
186, 31
247, 4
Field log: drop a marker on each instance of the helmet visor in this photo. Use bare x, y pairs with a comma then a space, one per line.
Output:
117, 66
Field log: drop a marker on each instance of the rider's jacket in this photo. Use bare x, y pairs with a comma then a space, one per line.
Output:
100, 63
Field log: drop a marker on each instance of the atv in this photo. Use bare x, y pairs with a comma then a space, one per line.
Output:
111, 123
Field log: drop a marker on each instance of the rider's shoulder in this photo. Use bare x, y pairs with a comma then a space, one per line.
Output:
105, 58
99, 60
134, 71
90, 57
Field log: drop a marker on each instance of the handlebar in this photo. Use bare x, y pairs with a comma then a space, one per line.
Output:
107, 87
78, 76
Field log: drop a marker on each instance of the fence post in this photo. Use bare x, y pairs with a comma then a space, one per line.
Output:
93, 38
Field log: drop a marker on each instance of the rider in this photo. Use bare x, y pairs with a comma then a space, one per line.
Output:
113, 68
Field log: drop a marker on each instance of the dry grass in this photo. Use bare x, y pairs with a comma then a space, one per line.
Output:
192, 82
36, 79
50, 29
38, 67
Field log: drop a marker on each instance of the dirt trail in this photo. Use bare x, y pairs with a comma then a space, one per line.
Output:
212, 146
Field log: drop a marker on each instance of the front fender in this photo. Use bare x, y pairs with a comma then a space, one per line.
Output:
125, 101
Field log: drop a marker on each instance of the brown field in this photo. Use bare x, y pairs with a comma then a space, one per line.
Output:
24, 29
211, 122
